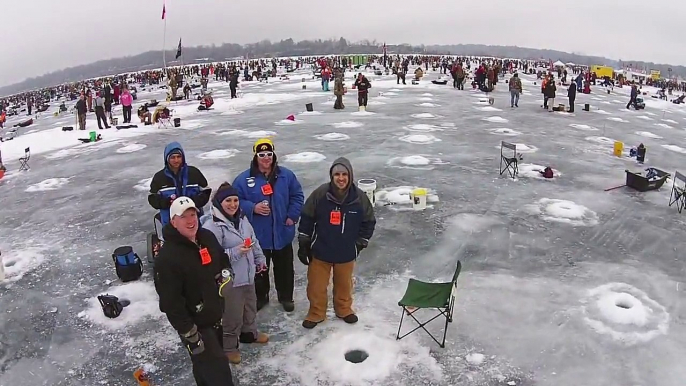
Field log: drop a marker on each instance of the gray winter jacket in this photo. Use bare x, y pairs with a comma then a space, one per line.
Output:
231, 240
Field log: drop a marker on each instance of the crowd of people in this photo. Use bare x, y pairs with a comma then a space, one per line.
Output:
212, 266
219, 245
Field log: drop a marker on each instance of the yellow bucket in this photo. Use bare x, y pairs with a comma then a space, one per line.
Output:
419, 192
618, 148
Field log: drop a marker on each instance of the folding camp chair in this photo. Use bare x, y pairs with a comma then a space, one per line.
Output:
438, 296
510, 163
164, 119
678, 195
24, 161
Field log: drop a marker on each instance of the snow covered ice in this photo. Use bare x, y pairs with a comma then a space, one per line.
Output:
563, 283
218, 154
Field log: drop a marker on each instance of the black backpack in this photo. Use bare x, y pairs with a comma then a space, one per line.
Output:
111, 306
128, 265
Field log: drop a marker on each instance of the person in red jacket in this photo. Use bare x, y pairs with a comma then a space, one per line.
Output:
326, 77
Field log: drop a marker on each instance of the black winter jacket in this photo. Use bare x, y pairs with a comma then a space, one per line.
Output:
188, 290
363, 85
336, 243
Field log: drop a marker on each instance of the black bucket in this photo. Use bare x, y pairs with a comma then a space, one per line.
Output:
128, 265
177, 122
587, 107
641, 154
309, 107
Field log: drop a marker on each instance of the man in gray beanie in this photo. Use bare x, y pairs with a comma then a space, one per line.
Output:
342, 217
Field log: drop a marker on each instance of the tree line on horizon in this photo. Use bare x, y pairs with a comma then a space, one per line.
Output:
288, 47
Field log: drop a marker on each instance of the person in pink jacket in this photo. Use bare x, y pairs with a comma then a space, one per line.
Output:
126, 100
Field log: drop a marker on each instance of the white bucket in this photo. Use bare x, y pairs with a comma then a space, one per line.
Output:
2, 269
418, 196
368, 186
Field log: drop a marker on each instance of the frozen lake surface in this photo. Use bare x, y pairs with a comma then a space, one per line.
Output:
563, 283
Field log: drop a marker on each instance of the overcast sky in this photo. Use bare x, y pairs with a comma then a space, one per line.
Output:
40, 36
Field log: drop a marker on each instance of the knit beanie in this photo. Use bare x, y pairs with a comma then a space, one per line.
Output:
175, 151
223, 191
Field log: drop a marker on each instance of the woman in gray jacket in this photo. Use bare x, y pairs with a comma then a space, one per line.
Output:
237, 237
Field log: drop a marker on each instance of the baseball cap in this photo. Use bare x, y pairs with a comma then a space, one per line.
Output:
180, 205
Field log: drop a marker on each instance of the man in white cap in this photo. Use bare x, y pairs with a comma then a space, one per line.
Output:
190, 271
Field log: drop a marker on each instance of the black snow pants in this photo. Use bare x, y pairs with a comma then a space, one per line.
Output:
211, 367
282, 261
126, 111
100, 115
362, 98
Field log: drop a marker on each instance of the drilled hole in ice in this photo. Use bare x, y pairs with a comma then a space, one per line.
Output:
621, 303
356, 356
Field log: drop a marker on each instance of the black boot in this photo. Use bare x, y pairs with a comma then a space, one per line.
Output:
288, 306
246, 337
261, 303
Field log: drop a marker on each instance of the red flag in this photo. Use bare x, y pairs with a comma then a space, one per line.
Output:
164, 10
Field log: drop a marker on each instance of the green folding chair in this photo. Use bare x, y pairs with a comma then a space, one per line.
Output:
421, 295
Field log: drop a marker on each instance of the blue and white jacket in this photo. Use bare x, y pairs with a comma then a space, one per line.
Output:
165, 186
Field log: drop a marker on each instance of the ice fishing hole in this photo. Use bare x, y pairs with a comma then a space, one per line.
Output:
623, 303
356, 356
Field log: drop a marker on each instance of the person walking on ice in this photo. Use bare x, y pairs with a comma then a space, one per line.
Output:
515, 90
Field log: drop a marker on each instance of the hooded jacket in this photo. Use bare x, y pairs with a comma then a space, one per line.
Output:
285, 202
232, 239
187, 289
336, 243
126, 99
166, 186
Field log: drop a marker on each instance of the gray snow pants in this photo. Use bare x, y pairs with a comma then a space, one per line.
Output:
240, 309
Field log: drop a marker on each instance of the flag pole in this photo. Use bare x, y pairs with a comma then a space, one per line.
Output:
164, 37
164, 43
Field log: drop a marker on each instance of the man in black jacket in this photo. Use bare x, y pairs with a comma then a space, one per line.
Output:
81, 109
336, 224
571, 94
190, 271
362, 84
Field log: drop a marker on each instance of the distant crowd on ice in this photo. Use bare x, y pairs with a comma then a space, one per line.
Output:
99, 94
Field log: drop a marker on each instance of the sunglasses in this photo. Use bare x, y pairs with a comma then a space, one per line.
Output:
265, 154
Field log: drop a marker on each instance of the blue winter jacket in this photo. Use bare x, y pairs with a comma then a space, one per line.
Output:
285, 202
166, 185
232, 239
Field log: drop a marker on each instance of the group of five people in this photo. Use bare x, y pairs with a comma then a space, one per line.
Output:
212, 269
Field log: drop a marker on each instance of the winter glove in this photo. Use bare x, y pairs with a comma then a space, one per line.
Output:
304, 249
361, 244
193, 341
